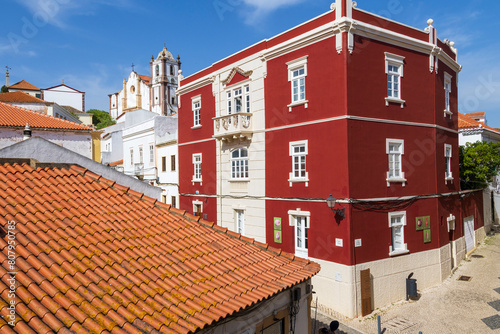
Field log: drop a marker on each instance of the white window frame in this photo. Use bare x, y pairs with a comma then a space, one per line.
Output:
241, 93
141, 154
243, 162
239, 224
151, 154
394, 61
292, 216
448, 175
401, 177
197, 177
402, 224
293, 66
196, 107
447, 95
291, 176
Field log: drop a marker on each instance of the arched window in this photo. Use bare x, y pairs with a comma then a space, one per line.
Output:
239, 163
157, 70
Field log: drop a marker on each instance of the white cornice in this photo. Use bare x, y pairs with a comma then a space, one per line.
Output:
195, 85
359, 118
391, 37
310, 37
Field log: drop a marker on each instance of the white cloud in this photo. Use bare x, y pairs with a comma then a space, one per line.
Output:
59, 12
261, 8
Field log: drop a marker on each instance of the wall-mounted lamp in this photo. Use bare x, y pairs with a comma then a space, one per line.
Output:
331, 204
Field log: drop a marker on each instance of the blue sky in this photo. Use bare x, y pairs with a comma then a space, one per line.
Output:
91, 44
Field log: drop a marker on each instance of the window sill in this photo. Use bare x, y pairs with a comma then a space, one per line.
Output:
196, 127
394, 100
298, 103
396, 180
447, 179
447, 113
239, 180
303, 180
197, 181
399, 252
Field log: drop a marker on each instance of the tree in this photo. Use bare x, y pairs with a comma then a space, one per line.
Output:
4, 89
100, 118
479, 163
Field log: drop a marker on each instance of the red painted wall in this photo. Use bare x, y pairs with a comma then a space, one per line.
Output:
192, 141
324, 229
324, 85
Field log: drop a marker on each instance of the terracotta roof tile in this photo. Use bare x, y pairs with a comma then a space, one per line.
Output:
96, 257
22, 97
13, 116
23, 84
145, 78
466, 123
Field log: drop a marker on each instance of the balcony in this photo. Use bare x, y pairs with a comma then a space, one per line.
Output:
233, 127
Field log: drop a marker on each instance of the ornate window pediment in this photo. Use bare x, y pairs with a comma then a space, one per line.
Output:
236, 75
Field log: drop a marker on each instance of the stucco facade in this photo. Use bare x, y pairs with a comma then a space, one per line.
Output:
348, 104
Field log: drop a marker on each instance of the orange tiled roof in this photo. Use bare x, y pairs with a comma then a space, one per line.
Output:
93, 256
145, 78
20, 96
116, 163
14, 116
479, 113
465, 122
23, 84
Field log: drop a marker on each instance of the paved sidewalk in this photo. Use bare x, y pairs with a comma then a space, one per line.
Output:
455, 306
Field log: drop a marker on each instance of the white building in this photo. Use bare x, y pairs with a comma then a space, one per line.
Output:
150, 154
156, 93
73, 136
167, 165
28, 101
143, 144
65, 96
25, 86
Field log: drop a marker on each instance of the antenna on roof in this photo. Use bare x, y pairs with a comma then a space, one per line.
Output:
7, 76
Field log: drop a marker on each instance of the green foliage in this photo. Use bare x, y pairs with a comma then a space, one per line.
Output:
100, 118
479, 163
4, 89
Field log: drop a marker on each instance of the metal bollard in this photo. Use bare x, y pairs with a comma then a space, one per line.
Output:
379, 325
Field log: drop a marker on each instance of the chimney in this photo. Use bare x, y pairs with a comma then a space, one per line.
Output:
27, 132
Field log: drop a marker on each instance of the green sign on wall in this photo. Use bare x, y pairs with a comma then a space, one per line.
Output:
278, 233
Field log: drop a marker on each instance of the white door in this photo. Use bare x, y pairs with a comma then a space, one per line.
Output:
469, 233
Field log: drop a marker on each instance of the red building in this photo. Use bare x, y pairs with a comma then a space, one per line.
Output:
349, 104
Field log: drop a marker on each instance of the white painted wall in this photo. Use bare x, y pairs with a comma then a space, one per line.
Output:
168, 180
255, 210
64, 96
79, 142
38, 107
134, 137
